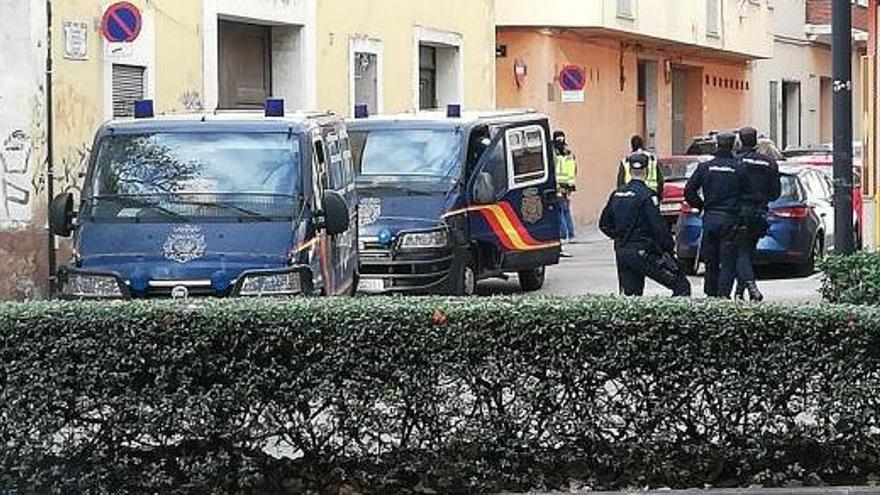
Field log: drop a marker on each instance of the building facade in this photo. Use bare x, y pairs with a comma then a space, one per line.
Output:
666, 70
792, 102
193, 56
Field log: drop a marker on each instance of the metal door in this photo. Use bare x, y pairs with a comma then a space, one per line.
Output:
245, 65
512, 196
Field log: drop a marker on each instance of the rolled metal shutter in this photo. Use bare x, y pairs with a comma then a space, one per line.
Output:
128, 87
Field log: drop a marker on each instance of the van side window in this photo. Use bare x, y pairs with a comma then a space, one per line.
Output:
527, 156
335, 167
319, 173
347, 161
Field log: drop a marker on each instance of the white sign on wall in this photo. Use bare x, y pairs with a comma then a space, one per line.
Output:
573, 96
76, 40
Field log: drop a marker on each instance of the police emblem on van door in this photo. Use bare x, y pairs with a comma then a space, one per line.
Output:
369, 210
532, 206
185, 243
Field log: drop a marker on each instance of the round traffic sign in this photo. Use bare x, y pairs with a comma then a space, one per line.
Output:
121, 23
572, 78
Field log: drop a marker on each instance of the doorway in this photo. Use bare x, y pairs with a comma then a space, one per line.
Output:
245, 65
679, 110
646, 104
791, 114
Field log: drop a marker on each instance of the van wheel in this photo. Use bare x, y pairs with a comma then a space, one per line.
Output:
532, 280
463, 281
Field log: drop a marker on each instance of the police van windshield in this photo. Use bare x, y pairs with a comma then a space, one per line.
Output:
407, 154
145, 177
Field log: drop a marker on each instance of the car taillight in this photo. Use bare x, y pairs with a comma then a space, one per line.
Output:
791, 212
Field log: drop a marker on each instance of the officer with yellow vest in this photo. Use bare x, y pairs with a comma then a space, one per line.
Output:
654, 178
566, 177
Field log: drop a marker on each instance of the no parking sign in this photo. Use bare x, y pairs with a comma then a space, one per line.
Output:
572, 80
121, 23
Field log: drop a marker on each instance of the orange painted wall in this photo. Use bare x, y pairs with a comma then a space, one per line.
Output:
599, 129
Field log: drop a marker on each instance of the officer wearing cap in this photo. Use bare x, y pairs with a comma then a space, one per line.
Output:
642, 242
713, 189
759, 185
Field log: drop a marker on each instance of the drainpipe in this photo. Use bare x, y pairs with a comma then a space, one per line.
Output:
50, 148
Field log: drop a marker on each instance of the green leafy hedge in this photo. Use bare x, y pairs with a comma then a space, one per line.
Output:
424, 396
852, 279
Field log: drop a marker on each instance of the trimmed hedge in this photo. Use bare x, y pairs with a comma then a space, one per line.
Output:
852, 279
425, 396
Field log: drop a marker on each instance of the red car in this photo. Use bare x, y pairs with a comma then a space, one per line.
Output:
822, 157
676, 171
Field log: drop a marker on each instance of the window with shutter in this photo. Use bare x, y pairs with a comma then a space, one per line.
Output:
713, 21
625, 8
128, 87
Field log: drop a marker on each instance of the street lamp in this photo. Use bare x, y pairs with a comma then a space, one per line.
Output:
841, 53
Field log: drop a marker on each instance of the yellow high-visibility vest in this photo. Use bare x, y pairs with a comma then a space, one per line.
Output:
566, 170
653, 178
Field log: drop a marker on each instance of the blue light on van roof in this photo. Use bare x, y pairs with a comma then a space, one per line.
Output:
453, 111
361, 111
274, 107
143, 109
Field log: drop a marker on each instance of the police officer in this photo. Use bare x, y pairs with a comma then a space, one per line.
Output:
566, 178
717, 179
759, 185
654, 178
642, 242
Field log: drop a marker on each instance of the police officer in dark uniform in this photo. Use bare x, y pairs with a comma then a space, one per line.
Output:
717, 179
642, 242
759, 185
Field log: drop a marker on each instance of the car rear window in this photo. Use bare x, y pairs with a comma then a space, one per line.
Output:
790, 188
673, 171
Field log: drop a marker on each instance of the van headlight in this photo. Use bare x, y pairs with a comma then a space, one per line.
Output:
257, 284
425, 240
84, 285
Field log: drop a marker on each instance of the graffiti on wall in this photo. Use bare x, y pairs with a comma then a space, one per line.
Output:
192, 101
15, 184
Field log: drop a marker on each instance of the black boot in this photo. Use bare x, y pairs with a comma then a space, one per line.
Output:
740, 291
754, 294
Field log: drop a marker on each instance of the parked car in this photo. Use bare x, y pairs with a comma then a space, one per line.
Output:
822, 158
676, 171
707, 144
800, 232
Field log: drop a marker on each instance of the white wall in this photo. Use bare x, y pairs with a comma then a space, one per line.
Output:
22, 59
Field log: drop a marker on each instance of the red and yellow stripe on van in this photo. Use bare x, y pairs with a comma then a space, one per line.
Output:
506, 225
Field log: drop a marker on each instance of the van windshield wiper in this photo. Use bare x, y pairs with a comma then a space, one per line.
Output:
227, 205
135, 202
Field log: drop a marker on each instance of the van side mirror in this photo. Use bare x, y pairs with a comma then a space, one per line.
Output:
337, 217
61, 215
484, 189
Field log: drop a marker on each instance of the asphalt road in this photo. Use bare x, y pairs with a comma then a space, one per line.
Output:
591, 270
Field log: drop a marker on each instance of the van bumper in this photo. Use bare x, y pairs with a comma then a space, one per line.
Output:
416, 272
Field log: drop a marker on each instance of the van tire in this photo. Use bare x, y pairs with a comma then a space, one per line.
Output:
532, 280
463, 279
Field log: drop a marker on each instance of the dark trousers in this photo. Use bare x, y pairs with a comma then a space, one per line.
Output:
720, 254
751, 229
635, 263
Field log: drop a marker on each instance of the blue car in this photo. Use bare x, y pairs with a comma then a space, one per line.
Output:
213, 206
799, 225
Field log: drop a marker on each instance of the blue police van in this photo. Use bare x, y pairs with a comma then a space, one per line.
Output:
217, 205
450, 199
